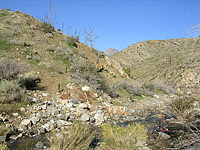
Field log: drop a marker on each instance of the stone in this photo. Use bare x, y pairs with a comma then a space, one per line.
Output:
48, 126
25, 122
156, 96
15, 114
64, 122
39, 145
164, 135
132, 111
69, 105
22, 109
83, 105
80, 110
85, 117
99, 118
45, 94
52, 110
34, 120
86, 88
44, 107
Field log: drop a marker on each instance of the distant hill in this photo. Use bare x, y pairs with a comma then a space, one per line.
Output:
176, 61
110, 51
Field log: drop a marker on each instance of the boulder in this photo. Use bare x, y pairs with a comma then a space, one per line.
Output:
99, 118
85, 117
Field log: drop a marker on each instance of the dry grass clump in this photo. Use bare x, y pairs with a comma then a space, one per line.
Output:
10, 92
9, 69
123, 138
77, 137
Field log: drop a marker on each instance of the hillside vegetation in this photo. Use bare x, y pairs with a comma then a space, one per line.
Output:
174, 61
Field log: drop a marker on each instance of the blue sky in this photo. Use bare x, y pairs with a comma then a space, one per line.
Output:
118, 23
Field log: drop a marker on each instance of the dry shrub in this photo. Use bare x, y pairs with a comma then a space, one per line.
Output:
123, 138
10, 92
158, 85
9, 69
77, 137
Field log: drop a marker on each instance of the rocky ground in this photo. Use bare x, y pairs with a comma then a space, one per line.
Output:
48, 112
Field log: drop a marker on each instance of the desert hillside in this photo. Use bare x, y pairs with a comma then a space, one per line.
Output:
174, 61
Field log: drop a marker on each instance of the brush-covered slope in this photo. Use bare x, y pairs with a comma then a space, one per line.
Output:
176, 61
54, 56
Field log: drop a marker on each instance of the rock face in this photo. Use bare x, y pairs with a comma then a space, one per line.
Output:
110, 51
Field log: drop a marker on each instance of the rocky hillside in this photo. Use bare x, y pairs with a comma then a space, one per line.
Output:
110, 51
175, 61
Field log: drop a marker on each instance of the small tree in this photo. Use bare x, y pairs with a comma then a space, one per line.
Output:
76, 34
90, 36
50, 17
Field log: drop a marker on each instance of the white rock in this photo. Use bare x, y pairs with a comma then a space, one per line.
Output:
164, 135
25, 122
85, 88
48, 126
45, 94
15, 114
69, 105
99, 118
83, 105
35, 120
156, 96
80, 110
85, 117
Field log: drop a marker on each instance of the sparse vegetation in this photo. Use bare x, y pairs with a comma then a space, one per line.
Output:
158, 86
123, 138
77, 137
10, 92
9, 69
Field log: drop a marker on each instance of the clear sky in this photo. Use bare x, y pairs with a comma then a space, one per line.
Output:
118, 23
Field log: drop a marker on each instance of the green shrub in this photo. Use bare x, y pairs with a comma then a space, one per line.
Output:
77, 137
123, 138
128, 70
10, 92
9, 69
48, 28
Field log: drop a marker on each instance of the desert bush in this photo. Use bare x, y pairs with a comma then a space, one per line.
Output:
130, 88
47, 27
158, 85
10, 92
128, 70
123, 138
77, 137
9, 69
183, 103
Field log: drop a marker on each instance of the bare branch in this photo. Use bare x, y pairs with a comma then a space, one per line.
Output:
90, 36
194, 31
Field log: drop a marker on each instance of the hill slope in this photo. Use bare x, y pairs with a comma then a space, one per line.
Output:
175, 61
